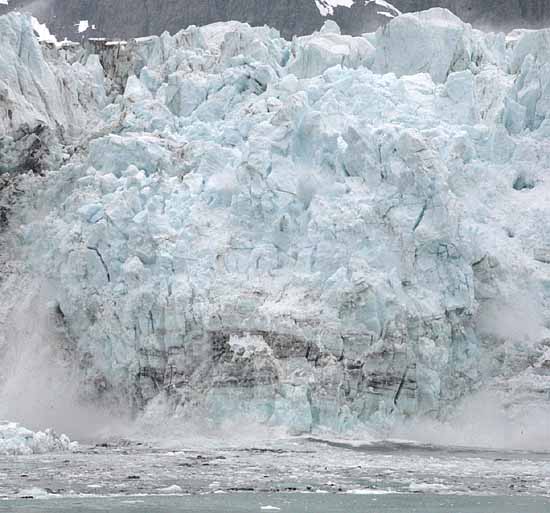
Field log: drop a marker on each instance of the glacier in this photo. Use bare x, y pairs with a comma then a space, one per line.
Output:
330, 233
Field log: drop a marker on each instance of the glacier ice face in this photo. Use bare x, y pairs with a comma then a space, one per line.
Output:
312, 55
255, 228
41, 104
434, 41
33, 91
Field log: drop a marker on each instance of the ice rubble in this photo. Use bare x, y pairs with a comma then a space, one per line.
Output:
326, 232
16, 440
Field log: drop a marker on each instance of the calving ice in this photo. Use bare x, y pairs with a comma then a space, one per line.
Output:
15, 439
316, 234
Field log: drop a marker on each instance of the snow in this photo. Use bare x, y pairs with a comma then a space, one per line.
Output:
326, 7
43, 32
315, 234
83, 26
391, 11
16, 440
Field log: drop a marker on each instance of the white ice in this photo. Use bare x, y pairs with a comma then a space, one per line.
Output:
17, 440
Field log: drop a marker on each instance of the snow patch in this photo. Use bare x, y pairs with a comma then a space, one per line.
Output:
83, 26
43, 32
391, 11
327, 7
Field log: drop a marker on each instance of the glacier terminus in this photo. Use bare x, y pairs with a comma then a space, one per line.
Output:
344, 234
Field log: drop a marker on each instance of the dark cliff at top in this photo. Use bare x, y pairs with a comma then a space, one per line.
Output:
128, 18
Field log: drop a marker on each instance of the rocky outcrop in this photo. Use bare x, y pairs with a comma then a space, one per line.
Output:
131, 18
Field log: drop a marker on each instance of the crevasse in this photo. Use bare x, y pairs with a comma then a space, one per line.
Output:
334, 232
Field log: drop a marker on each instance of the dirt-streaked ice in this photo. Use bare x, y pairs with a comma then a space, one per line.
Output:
332, 232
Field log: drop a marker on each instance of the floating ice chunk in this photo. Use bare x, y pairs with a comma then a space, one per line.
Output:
172, 489
429, 487
33, 492
15, 439
368, 491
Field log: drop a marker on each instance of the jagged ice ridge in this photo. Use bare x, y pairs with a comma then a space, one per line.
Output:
15, 439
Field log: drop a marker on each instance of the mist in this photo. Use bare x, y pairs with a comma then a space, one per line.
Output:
35, 7
40, 386
483, 420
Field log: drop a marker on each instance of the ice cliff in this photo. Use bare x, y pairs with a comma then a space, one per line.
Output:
331, 232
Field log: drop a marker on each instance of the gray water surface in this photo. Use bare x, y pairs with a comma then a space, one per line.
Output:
285, 503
